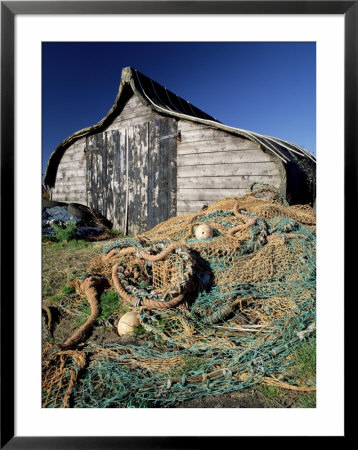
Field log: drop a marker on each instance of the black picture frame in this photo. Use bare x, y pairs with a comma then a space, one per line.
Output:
9, 9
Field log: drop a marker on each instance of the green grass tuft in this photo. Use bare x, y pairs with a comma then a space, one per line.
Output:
65, 234
56, 298
305, 359
117, 233
138, 331
70, 245
272, 392
109, 304
191, 363
68, 290
308, 401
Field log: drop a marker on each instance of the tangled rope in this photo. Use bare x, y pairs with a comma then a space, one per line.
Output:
223, 313
135, 301
247, 221
91, 288
182, 282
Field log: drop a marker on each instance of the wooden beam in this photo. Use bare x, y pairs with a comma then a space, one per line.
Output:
222, 170
207, 195
229, 182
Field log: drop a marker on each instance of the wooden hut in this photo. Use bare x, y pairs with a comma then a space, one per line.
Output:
155, 155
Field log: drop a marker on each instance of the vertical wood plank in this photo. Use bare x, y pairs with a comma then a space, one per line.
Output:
122, 176
99, 171
153, 162
117, 216
88, 175
143, 173
172, 168
144, 176
138, 178
104, 175
109, 177
167, 169
162, 198
151, 165
131, 171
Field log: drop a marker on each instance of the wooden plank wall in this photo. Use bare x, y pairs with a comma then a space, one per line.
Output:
162, 171
165, 178
70, 183
71, 175
134, 113
131, 169
98, 177
213, 164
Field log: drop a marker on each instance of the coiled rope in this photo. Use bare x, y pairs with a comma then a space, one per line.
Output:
91, 287
149, 303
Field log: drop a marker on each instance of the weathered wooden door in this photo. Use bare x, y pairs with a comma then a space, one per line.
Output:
131, 174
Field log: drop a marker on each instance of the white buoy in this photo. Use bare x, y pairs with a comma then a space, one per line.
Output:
127, 323
204, 231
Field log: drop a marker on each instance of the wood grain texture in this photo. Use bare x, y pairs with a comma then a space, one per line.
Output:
213, 164
225, 169
131, 172
207, 134
223, 144
208, 195
71, 180
237, 182
216, 154
138, 174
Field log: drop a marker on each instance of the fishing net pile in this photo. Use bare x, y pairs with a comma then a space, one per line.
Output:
224, 312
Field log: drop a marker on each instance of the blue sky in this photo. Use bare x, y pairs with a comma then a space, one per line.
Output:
269, 88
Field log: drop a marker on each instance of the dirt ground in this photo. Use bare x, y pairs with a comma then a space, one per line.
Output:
59, 325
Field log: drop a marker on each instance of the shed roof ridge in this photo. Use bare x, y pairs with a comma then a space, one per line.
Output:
136, 80
268, 142
139, 79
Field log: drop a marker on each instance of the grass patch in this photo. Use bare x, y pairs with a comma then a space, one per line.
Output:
273, 393
63, 262
308, 401
302, 370
109, 304
67, 233
105, 330
75, 244
67, 290
122, 307
84, 311
55, 298
280, 397
191, 363
305, 359
138, 331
